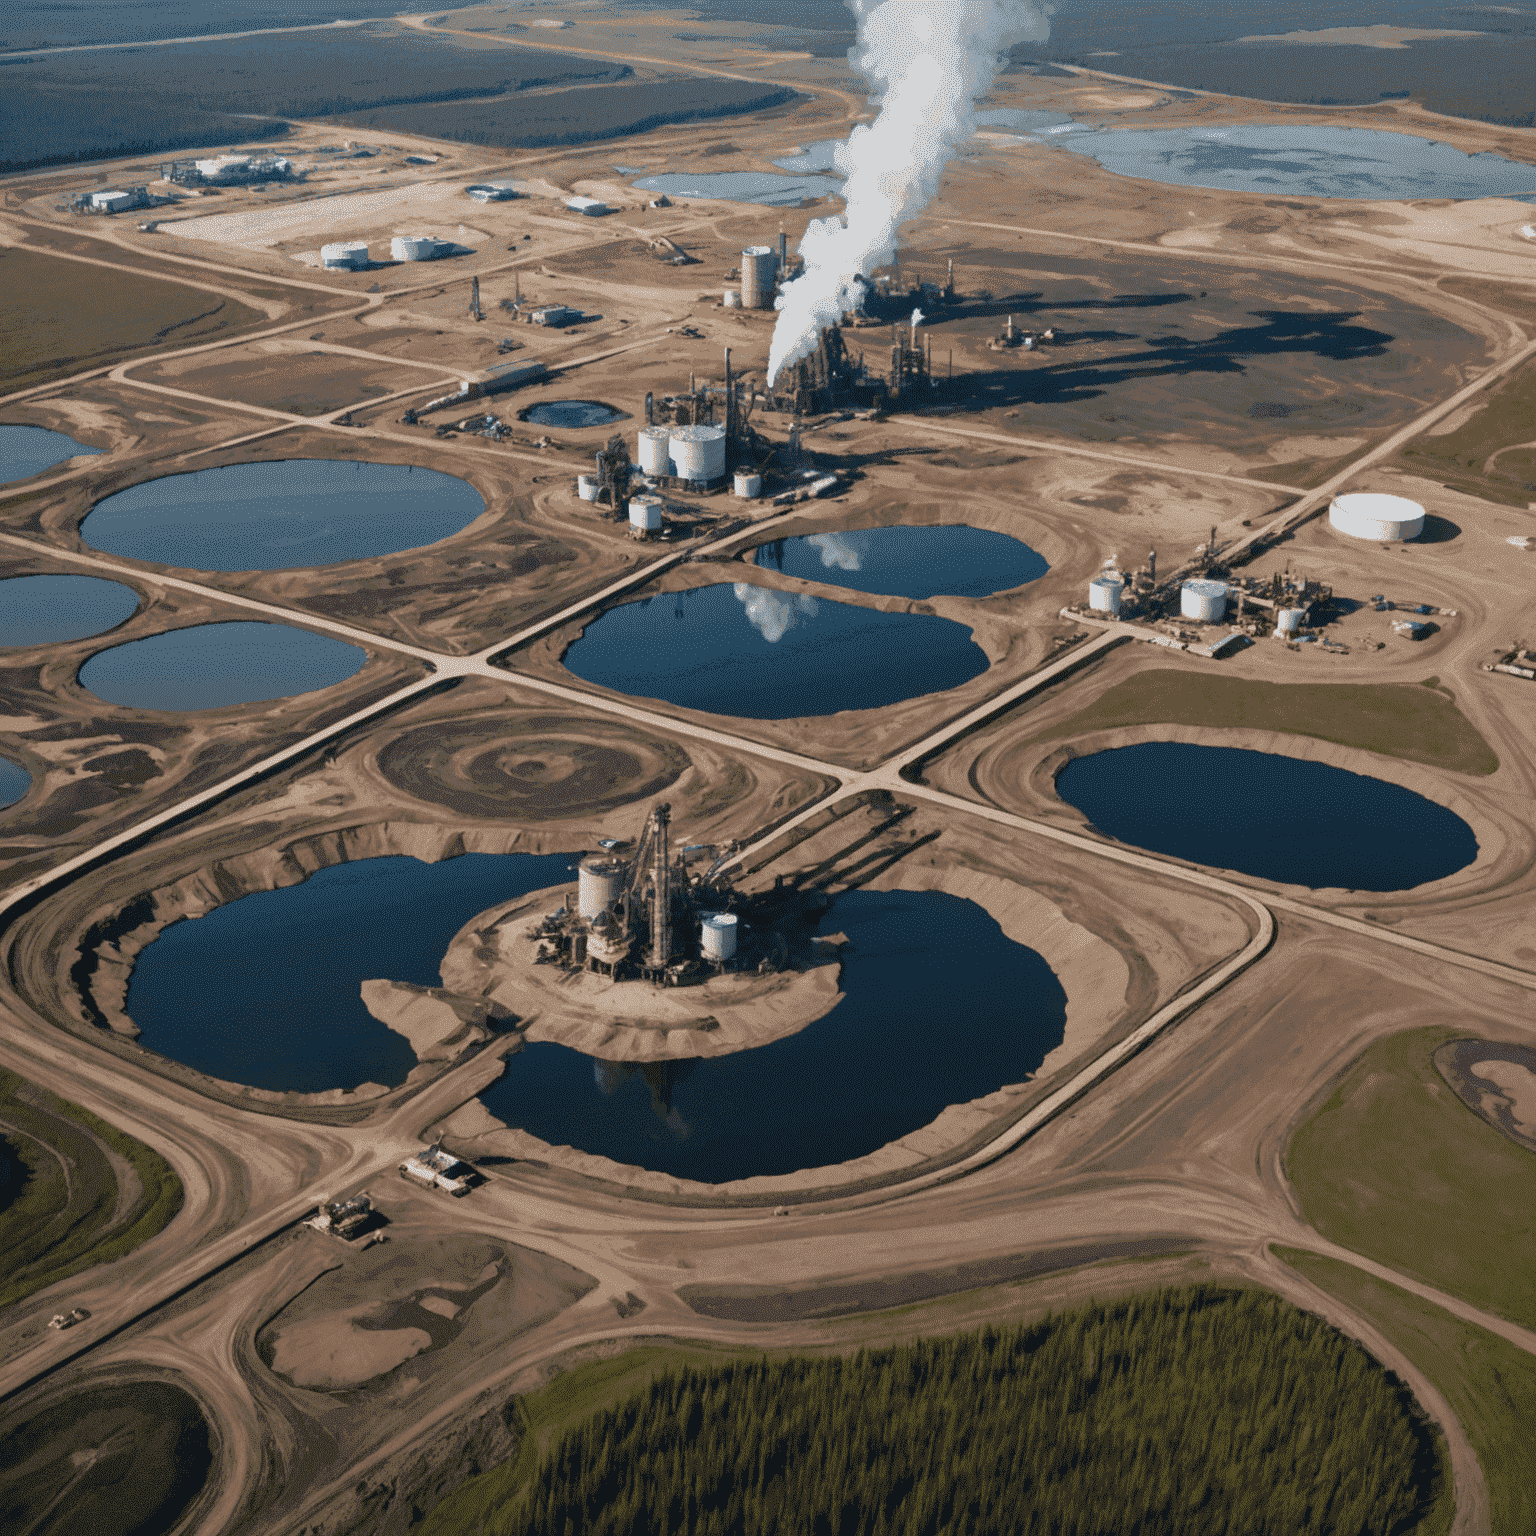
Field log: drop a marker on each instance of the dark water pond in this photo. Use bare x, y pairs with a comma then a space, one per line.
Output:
208, 666
746, 650
28, 450
39, 610
282, 515
914, 1034
743, 186
908, 562
1268, 815
571, 413
264, 990
15, 781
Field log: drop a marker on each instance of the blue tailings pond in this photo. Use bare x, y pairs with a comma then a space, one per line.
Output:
571, 413
41, 610
265, 989
282, 515
745, 650
15, 781
208, 666
743, 186
908, 562
1264, 814
914, 1034
29, 450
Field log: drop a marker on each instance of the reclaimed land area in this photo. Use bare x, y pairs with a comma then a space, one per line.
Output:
1487, 449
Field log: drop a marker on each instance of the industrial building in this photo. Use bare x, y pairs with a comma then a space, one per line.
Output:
492, 191
227, 170
1375, 515
496, 380
117, 199
588, 207
433, 1168
345, 256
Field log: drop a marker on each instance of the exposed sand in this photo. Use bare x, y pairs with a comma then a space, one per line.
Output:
436, 1029
1518, 1084
332, 1351
1381, 35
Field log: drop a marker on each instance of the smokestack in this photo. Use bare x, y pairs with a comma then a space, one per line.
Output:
1152, 564
783, 248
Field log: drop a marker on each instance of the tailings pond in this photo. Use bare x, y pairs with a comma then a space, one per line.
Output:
915, 1033
42, 610
29, 450
209, 666
265, 989
15, 781
571, 413
747, 650
1264, 814
908, 562
743, 186
283, 515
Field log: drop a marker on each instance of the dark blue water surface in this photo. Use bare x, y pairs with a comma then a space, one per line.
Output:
748, 650
15, 781
282, 515
908, 562
38, 610
27, 450
915, 1033
208, 666
1268, 815
571, 413
264, 991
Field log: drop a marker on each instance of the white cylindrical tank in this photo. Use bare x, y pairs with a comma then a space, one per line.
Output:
1375, 515
599, 883
588, 486
1203, 601
717, 936
748, 486
732, 299
413, 247
655, 451
759, 267
1288, 620
698, 453
345, 255
645, 514
1104, 592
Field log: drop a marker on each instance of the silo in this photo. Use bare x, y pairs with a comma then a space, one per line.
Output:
599, 883
588, 487
644, 516
1203, 601
654, 451
698, 453
1288, 620
717, 936
1104, 592
414, 247
759, 267
1375, 515
345, 255
748, 486
732, 299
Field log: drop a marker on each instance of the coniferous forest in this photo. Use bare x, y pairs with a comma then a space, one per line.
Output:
1178, 1411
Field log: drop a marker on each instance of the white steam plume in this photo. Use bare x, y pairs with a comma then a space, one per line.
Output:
772, 613
929, 61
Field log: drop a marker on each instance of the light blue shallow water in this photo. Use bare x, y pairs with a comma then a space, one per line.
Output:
28, 450
15, 781
209, 666
42, 610
743, 186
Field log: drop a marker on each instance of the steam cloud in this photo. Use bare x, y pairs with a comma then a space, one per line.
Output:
929, 61
773, 614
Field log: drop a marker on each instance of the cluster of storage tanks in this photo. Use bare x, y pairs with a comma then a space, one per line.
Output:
600, 880
352, 255
694, 454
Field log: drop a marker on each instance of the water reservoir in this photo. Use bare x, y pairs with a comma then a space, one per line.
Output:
209, 666
30, 450
282, 515
1264, 814
15, 781
44, 610
748, 650
744, 187
571, 413
908, 562
915, 1033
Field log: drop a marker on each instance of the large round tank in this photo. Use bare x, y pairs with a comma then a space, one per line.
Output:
1288, 620
1375, 515
655, 451
588, 487
731, 299
414, 247
599, 883
698, 453
345, 255
759, 267
1203, 601
644, 514
717, 936
1104, 592
748, 486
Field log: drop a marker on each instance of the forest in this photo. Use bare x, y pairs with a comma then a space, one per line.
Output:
1185, 1410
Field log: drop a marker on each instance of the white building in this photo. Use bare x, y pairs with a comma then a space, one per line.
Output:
588, 207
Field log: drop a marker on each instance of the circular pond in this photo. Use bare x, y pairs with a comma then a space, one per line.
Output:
29, 450
908, 562
15, 781
282, 515
208, 666
915, 1033
265, 989
1303, 160
747, 650
40, 610
571, 413
1264, 814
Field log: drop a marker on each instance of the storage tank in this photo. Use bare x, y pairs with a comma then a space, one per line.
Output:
759, 267
732, 299
748, 486
644, 515
1288, 620
1203, 601
588, 486
698, 453
414, 247
599, 883
717, 936
1375, 515
345, 255
654, 453
1104, 592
